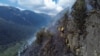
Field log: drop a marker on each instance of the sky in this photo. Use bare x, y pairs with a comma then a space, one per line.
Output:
50, 7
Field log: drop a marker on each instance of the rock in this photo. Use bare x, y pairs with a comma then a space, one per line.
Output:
92, 41
79, 36
98, 1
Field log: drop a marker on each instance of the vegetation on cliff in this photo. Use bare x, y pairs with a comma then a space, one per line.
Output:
71, 36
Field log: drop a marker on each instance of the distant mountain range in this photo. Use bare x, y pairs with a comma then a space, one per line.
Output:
24, 17
16, 25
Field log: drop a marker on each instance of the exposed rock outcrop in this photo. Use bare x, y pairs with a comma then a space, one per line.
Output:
77, 36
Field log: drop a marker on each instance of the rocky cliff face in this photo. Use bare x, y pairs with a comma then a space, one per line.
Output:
75, 36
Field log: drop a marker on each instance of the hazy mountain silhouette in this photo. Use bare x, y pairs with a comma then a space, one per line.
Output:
16, 25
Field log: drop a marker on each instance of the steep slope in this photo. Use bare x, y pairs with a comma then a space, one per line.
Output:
24, 17
16, 25
77, 36
10, 33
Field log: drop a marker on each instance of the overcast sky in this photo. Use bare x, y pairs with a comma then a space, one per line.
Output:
51, 7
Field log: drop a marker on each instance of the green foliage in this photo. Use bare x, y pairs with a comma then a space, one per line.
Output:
11, 50
11, 32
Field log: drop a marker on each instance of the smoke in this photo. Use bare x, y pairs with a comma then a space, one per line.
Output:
26, 45
31, 40
67, 9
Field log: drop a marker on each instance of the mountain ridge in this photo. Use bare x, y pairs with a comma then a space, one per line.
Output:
15, 23
76, 36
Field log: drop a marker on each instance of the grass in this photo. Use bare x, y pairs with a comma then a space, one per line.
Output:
11, 50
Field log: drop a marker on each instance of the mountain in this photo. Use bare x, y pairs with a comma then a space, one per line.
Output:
24, 17
78, 35
16, 25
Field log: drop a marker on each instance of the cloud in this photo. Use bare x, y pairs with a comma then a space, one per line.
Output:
66, 3
2, 4
13, 1
20, 8
30, 3
50, 7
